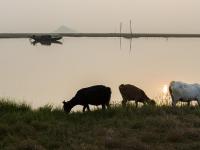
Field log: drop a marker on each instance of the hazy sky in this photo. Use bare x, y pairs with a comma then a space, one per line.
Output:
100, 15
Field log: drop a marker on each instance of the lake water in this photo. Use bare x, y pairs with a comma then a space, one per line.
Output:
49, 74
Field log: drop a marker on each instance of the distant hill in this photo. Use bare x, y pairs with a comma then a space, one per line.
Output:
64, 29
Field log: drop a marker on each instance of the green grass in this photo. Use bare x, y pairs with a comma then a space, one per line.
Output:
144, 128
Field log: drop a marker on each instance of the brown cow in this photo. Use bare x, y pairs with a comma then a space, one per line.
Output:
133, 93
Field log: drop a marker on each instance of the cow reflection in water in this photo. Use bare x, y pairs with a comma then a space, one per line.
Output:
47, 43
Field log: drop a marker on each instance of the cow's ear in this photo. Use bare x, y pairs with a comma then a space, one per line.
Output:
121, 86
63, 101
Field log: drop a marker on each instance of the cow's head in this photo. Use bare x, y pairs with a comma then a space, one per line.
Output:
121, 86
67, 106
152, 102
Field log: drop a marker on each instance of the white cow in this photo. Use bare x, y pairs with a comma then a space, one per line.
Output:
184, 92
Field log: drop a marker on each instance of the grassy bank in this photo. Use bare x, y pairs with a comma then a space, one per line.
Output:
155, 128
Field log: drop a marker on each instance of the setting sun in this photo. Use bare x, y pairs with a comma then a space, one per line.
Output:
165, 89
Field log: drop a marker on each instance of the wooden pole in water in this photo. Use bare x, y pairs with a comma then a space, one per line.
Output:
120, 34
131, 35
131, 28
120, 29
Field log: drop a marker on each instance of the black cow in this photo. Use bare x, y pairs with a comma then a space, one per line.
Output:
133, 93
94, 95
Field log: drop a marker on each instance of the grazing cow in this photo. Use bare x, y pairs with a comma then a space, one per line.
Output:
94, 95
184, 92
133, 93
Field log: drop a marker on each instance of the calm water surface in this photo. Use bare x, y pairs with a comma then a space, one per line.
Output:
49, 74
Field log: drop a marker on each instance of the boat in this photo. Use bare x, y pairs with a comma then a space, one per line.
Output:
49, 38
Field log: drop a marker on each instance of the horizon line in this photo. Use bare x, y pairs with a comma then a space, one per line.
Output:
124, 35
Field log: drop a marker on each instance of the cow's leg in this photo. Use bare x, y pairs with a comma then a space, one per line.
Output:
103, 106
108, 105
188, 103
124, 102
198, 101
136, 104
173, 100
181, 103
84, 107
174, 103
88, 108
